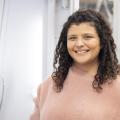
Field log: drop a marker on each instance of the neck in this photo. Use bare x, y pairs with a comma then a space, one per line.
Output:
89, 69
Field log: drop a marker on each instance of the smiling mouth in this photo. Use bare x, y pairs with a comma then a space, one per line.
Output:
82, 51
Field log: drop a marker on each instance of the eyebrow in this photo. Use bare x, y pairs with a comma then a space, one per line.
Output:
71, 35
88, 34
82, 34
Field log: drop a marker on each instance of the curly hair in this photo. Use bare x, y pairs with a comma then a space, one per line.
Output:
108, 68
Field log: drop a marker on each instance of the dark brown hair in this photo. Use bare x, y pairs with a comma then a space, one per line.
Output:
108, 66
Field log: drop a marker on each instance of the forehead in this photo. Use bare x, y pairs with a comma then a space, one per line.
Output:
84, 27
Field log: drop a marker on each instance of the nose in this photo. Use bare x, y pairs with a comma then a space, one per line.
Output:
79, 43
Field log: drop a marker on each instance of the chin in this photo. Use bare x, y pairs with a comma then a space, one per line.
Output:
82, 62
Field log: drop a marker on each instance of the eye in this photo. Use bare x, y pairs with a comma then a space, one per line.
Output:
88, 37
72, 38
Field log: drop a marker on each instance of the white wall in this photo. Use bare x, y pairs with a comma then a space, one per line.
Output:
21, 56
56, 17
116, 25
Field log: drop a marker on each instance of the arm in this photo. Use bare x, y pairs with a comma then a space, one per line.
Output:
36, 114
40, 99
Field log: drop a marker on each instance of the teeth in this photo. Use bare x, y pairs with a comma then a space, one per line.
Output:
81, 52
84, 51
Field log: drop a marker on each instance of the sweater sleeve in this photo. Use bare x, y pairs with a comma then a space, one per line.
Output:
36, 114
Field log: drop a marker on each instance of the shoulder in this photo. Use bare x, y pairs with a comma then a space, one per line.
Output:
44, 86
40, 98
43, 89
118, 80
116, 84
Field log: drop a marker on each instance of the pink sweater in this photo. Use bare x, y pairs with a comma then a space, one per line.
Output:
77, 100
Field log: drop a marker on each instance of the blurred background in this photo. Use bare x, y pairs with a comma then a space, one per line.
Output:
29, 31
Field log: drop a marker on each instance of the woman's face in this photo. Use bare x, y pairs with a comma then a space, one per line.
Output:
83, 43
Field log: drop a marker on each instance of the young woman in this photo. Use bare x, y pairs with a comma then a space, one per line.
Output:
85, 84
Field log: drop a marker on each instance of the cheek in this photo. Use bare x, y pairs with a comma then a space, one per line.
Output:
96, 49
95, 45
69, 49
69, 46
